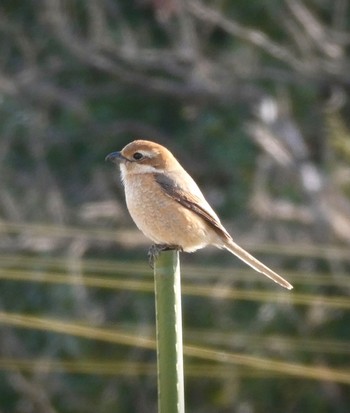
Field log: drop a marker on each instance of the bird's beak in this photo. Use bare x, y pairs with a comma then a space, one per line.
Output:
114, 157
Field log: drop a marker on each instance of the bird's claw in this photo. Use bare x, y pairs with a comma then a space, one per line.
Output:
156, 249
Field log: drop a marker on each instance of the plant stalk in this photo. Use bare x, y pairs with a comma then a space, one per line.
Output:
169, 333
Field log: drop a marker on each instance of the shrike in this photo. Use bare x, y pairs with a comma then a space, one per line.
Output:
169, 208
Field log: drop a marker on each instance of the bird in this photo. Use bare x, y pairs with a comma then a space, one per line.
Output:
167, 205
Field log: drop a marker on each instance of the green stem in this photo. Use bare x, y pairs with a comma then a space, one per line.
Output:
169, 333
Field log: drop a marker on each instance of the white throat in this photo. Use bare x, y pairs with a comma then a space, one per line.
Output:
140, 169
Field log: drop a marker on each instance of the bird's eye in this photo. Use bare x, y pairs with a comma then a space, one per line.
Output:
137, 156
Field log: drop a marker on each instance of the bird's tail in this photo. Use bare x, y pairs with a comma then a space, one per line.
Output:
256, 264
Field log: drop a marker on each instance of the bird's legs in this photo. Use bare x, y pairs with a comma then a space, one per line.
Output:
156, 249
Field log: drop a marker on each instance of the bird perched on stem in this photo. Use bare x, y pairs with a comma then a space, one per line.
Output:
169, 208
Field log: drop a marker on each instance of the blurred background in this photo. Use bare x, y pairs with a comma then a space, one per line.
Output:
252, 97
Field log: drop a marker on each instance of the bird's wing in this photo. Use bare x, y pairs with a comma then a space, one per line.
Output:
192, 199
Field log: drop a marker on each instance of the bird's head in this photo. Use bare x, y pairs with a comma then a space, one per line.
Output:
142, 156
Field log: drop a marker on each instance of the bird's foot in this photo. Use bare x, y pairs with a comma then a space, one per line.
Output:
156, 249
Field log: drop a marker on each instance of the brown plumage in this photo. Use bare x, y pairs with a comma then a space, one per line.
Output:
169, 208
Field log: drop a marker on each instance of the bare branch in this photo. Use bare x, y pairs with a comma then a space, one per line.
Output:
314, 29
252, 36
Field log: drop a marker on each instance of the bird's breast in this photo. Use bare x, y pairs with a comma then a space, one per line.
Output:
161, 218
